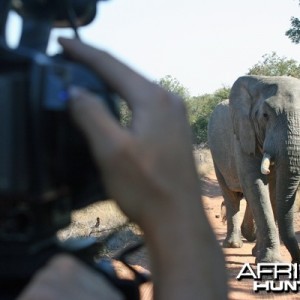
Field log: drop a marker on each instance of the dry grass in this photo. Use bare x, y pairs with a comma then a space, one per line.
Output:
112, 230
203, 161
84, 220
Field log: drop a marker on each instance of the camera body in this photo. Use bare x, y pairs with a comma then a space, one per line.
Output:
46, 168
43, 156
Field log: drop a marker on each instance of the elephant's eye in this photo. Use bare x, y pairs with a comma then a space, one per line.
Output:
266, 116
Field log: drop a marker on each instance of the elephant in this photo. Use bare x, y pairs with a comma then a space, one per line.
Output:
248, 227
254, 138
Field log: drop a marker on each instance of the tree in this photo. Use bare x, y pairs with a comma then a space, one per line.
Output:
171, 84
294, 32
125, 114
199, 108
273, 65
199, 111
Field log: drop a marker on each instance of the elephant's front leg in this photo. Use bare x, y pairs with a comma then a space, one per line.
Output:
232, 203
234, 235
255, 188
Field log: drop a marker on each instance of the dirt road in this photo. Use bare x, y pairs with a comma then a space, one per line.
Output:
235, 258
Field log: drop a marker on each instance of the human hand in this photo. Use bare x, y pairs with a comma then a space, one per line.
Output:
66, 278
149, 166
149, 170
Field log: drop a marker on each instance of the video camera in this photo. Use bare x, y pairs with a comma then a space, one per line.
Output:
46, 169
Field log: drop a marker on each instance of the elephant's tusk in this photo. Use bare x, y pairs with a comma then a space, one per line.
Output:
265, 164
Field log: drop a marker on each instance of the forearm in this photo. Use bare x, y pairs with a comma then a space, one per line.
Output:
187, 262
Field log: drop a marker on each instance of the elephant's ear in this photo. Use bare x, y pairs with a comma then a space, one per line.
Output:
241, 102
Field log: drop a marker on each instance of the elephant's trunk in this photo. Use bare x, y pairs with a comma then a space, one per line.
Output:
265, 164
287, 165
285, 197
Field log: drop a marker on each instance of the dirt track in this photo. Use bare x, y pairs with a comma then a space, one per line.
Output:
235, 258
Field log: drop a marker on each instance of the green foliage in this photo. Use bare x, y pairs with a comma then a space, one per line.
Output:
294, 32
199, 108
273, 65
125, 114
171, 84
199, 111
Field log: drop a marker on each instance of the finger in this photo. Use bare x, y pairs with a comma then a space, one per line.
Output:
96, 122
131, 86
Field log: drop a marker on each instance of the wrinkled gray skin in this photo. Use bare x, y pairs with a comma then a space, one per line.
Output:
262, 118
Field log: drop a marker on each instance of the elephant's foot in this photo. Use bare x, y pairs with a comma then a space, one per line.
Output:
233, 242
267, 256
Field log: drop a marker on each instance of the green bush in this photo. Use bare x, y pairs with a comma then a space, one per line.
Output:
199, 111
125, 114
274, 65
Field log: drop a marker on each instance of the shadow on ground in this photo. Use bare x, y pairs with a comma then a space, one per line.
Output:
210, 187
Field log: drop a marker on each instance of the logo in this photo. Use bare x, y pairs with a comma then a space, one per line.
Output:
272, 277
